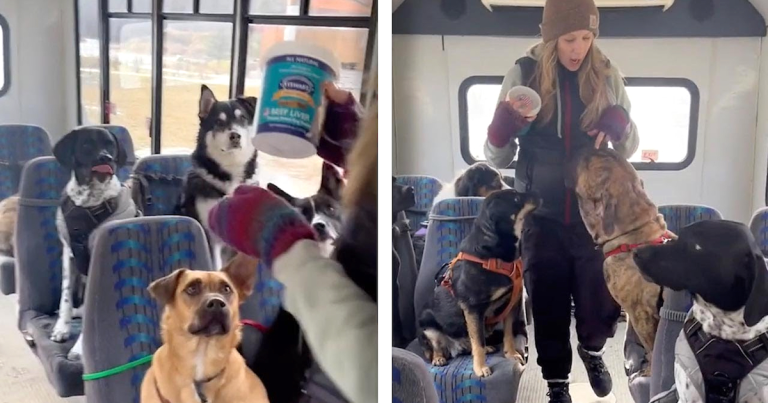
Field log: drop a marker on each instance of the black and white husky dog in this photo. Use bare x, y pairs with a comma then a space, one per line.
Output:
223, 159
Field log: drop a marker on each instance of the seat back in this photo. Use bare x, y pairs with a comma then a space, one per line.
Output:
759, 226
411, 380
425, 188
19, 144
264, 303
158, 181
449, 223
680, 215
122, 321
38, 259
124, 138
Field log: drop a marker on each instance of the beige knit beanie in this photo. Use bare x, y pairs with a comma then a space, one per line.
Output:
564, 16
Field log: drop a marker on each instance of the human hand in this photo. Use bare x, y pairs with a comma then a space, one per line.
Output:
612, 124
258, 223
340, 128
599, 137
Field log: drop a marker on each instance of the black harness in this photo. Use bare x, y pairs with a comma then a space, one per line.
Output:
723, 363
81, 221
198, 388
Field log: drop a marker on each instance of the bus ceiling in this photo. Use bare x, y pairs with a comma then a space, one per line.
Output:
619, 18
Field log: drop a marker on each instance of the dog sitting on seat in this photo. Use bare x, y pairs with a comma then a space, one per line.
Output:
198, 361
720, 356
479, 180
91, 198
482, 287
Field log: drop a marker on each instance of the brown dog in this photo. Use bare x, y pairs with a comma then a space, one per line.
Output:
9, 210
198, 361
620, 217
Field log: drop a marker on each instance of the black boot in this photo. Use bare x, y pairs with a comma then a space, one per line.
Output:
599, 377
558, 392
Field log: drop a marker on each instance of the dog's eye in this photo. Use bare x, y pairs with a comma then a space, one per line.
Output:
226, 289
192, 289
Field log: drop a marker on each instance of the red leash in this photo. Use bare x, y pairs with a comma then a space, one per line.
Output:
254, 324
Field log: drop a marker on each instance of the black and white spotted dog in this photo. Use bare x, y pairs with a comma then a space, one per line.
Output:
479, 180
722, 353
92, 197
224, 158
323, 209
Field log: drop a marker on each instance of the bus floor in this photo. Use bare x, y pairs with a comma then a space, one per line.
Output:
534, 389
22, 378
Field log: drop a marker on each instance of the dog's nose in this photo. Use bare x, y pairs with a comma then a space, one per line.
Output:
105, 157
215, 304
234, 137
319, 227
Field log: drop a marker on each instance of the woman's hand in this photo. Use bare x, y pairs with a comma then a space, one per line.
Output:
523, 105
258, 223
340, 127
599, 137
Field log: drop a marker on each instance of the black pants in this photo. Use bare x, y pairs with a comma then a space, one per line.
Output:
560, 261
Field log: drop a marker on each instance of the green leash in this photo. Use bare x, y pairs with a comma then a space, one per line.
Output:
117, 370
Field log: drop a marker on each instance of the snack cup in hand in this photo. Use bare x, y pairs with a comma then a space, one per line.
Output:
520, 93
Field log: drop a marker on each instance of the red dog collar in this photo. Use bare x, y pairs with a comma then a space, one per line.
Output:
626, 248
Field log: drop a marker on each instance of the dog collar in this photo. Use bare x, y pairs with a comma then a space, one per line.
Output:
626, 248
198, 388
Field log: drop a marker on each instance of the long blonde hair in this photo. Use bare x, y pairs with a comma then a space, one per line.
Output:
593, 85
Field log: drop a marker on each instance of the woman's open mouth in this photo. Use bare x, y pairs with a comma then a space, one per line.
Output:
574, 62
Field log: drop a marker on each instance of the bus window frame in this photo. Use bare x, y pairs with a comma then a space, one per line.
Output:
6, 67
240, 18
693, 117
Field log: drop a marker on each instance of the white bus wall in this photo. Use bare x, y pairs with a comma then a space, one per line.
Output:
43, 88
428, 70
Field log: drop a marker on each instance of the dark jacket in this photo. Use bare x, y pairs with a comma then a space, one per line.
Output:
545, 148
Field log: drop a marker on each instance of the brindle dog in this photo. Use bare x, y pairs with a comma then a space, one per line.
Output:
617, 212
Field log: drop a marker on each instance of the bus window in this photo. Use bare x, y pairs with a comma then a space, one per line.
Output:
89, 60
196, 53
341, 7
665, 111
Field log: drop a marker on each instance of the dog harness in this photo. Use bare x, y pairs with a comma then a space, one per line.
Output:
198, 388
626, 248
513, 270
81, 221
723, 363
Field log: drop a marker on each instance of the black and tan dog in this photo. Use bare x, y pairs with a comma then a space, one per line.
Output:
481, 287
198, 361
621, 217
479, 180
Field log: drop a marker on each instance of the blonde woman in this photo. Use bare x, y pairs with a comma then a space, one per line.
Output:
584, 104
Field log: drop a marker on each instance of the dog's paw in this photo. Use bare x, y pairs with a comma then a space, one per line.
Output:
483, 372
439, 362
76, 353
60, 332
515, 355
490, 349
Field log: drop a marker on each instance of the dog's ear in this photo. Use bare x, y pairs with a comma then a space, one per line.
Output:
463, 187
249, 104
756, 307
332, 182
64, 149
280, 193
609, 215
122, 155
207, 99
242, 271
163, 289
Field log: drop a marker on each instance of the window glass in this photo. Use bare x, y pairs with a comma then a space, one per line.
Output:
361, 8
130, 79
662, 115
90, 61
196, 53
